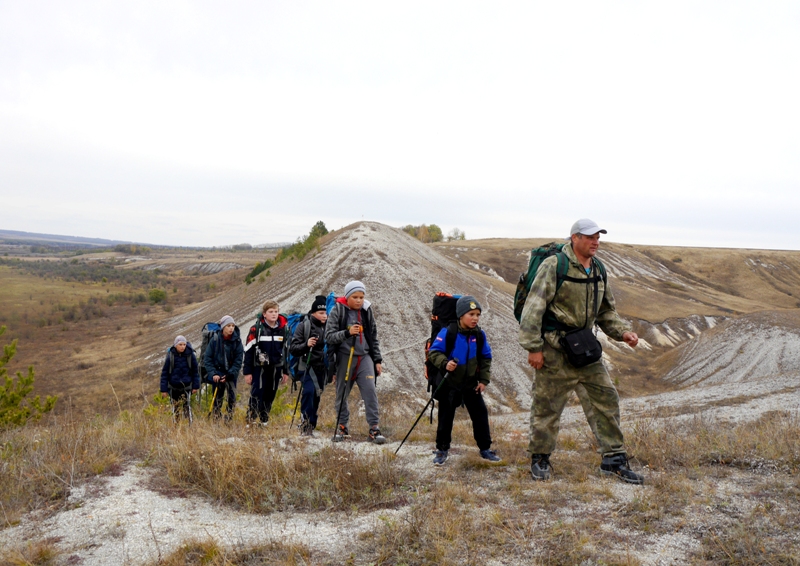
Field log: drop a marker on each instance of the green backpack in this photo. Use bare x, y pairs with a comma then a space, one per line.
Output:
538, 255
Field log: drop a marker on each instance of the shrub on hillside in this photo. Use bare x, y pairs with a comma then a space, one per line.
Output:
423, 233
15, 410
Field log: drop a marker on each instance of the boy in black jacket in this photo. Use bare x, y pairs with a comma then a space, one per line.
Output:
264, 356
309, 338
180, 376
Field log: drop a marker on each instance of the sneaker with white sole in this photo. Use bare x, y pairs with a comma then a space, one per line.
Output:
440, 458
490, 455
376, 436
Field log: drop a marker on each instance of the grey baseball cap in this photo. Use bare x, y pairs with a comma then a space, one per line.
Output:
586, 227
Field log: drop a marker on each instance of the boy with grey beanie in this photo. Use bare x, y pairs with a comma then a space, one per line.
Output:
352, 333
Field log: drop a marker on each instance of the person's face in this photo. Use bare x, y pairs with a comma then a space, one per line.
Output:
180, 346
356, 300
321, 316
470, 319
227, 330
271, 315
585, 246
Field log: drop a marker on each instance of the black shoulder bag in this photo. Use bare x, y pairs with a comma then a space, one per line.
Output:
581, 346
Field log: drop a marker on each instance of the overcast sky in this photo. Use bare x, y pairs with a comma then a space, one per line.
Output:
213, 123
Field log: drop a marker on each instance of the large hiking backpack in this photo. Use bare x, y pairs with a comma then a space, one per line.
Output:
538, 255
292, 362
209, 330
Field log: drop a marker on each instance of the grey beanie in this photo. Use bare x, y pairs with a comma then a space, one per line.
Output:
226, 320
352, 287
179, 339
466, 304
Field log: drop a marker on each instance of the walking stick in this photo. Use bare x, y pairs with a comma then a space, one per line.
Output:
213, 397
296, 403
423, 410
344, 391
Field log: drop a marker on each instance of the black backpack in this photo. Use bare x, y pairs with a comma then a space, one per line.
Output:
209, 329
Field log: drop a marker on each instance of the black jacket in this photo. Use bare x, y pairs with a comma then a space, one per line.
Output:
224, 357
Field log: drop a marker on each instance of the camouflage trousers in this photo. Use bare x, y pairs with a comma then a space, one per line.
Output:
552, 387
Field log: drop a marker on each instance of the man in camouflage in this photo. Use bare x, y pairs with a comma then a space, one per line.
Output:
574, 306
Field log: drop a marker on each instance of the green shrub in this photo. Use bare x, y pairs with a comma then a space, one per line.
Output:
157, 295
15, 410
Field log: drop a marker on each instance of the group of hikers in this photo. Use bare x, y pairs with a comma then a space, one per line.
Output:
563, 296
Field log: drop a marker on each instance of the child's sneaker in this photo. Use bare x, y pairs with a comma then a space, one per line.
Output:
376, 436
341, 434
440, 458
490, 455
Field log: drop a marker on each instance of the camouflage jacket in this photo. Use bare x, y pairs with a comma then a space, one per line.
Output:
569, 306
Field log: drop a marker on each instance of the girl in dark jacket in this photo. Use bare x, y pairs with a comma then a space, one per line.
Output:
180, 376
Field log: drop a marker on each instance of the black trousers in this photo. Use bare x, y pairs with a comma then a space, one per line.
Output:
180, 400
222, 389
450, 400
262, 393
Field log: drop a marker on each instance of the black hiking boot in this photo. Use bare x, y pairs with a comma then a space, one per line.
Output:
540, 467
376, 436
440, 458
617, 465
341, 434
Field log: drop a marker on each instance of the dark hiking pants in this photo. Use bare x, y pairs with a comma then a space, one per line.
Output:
262, 393
473, 401
221, 390
313, 383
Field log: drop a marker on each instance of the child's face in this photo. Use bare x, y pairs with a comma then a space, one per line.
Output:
271, 315
227, 330
180, 346
470, 319
356, 300
321, 316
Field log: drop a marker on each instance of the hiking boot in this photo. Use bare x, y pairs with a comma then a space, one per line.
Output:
490, 455
341, 434
440, 458
376, 436
617, 465
540, 467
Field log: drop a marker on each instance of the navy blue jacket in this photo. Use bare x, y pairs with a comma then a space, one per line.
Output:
224, 357
184, 370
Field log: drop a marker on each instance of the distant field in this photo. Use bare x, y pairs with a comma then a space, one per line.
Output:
83, 321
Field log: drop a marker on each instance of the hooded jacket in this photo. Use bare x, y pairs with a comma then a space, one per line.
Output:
338, 336
224, 357
469, 371
184, 370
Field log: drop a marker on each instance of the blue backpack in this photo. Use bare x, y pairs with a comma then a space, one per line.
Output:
292, 322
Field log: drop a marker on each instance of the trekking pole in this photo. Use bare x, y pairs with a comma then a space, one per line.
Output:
344, 390
213, 397
296, 403
423, 410
189, 404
